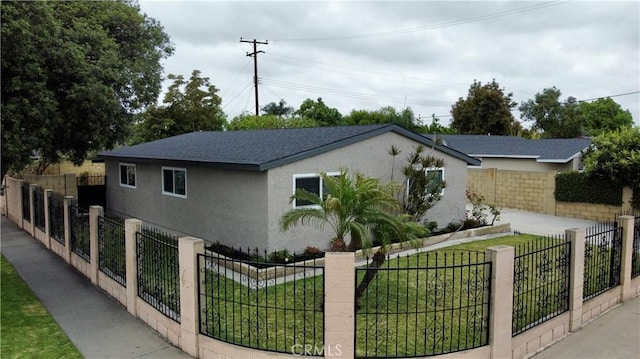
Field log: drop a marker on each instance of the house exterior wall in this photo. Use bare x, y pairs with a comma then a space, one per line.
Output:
528, 164
243, 208
223, 206
372, 159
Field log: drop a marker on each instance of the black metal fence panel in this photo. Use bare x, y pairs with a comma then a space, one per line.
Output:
111, 247
26, 202
424, 304
270, 306
38, 206
56, 217
158, 271
92, 191
635, 256
80, 243
602, 259
540, 282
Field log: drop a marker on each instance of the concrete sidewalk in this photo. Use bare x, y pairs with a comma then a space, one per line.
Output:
615, 335
97, 325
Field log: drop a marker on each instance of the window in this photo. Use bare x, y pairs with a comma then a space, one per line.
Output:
174, 181
128, 175
311, 183
436, 177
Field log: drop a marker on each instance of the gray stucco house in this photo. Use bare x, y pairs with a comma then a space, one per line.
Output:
233, 187
520, 154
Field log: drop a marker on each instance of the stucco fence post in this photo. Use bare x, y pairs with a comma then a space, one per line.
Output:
67, 228
188, 250
339, 303
13, 197
95, 212
131, 227
47, 220
501, 312
626, 222
31, 226
576, 277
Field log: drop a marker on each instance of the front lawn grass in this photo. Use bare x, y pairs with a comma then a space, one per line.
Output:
26, 328
424, 304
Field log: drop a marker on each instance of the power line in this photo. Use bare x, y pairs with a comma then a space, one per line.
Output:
434, 26
352, 94
350, 71
618, 95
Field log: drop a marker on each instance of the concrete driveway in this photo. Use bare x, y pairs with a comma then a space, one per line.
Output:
540, 224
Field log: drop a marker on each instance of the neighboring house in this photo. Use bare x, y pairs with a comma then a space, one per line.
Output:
233, 187
520, 154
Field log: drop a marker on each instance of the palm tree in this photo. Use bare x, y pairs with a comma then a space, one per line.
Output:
352, 208
358, 209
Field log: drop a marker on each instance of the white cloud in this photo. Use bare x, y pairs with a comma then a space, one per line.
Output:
372, 54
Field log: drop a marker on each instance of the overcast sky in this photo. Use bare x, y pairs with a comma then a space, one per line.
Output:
420, 54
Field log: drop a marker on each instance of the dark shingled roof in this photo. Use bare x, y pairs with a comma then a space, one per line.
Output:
559, 150
259, 150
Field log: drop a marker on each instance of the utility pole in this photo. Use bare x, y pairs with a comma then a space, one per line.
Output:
254, 54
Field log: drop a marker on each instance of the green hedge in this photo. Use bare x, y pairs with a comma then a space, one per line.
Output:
579, 187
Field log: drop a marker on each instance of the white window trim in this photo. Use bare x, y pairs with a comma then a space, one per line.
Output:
310, 175
443, 174
185, 182
429, 169
120, 175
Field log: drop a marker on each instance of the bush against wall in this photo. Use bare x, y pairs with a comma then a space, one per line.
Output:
579, 187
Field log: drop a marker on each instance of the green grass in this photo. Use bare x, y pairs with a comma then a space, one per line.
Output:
260, 314
514, 241
26, 328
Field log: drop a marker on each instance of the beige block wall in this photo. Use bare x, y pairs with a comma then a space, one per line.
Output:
535, 192
531, 191
65, 184
66, 167
591, 211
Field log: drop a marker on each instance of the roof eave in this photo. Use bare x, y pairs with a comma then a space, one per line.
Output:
184, 163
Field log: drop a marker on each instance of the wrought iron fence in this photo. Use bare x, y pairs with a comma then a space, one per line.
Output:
111, 247
424, 304
277, 307
38, 206
56, 217
80, 243
26, 202
540, 282
158, 271
602, 259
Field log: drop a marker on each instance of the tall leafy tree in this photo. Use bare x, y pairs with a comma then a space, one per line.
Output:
248, 121
388, 114
615, 156
551, 117
486, 110
604, 115
189, 106
279, 109
435, 127
319, 112
73, 76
